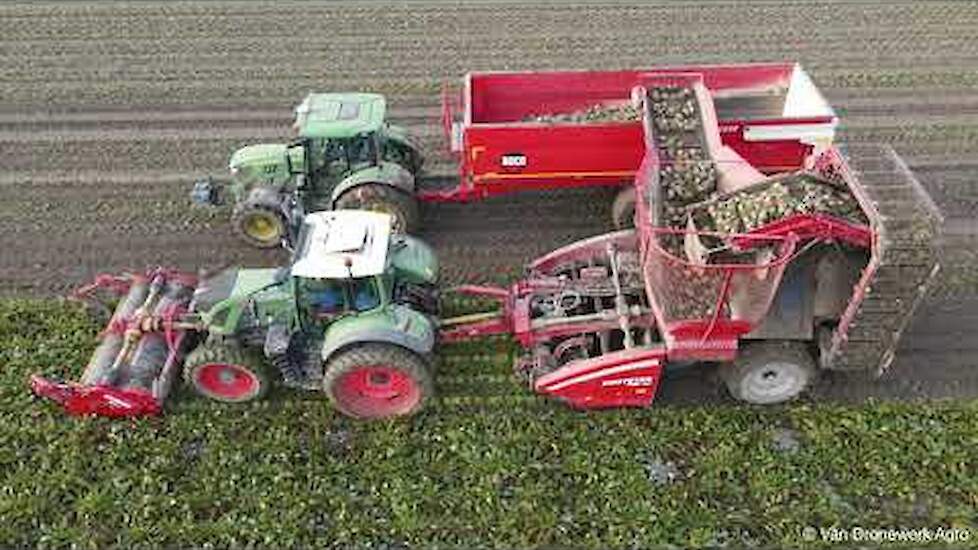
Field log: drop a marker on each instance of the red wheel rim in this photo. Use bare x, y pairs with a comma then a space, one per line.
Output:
228, 381
377, 391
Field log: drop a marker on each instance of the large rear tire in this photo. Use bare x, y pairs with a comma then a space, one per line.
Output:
766, 373
226, 373
376, 380
378, 197
260, 225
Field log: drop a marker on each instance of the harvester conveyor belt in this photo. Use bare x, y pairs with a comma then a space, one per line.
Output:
904, 262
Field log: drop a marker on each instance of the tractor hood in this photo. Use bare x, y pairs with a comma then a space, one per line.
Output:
261, 154
259, 294
231, 284
269, 164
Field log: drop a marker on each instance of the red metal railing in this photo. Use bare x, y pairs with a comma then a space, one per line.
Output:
701, 304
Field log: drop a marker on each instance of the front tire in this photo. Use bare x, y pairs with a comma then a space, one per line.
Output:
375, 380
226, 373
259, 225
376, 197
772, 372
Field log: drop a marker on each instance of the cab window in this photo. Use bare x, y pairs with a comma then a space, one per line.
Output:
365, 295
323, 297
336, 157
361, 150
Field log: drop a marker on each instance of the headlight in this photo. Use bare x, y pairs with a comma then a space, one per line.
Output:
234, 170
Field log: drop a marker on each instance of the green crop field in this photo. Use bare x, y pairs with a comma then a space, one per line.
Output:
487, 467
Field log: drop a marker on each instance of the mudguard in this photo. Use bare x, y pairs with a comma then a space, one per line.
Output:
265, 195
398, 325
400, 138
385, 173
400, 135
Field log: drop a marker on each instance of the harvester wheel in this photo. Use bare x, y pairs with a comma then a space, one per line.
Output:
623, 209
765, 373
375, 380
259, 225
384, 198
226, 373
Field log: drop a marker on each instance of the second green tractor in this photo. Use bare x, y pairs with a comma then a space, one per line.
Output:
346, 156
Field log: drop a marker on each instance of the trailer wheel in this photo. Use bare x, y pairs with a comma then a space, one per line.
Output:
384, 198
769, 372
375, 380
225, 373
259, 225
623, 209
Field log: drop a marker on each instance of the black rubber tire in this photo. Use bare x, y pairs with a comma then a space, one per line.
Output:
380, 197
370, 354
623, 209
769, 372
226, 354
244, 216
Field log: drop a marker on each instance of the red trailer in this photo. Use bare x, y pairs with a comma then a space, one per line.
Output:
772, 115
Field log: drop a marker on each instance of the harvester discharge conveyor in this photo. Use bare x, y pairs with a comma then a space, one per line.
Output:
903, 265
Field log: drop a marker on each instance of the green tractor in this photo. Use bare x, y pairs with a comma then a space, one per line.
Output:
354, 314
346, 156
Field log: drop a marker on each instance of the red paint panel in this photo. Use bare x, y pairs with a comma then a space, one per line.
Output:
628, 378
554, 155
97, 400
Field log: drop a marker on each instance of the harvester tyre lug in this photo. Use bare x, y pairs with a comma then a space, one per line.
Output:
384, 198
378, 380
226, 373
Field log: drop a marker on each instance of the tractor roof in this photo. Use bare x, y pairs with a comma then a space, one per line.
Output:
340, 244
339, 115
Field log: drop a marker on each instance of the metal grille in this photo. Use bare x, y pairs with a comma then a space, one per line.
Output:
735, 286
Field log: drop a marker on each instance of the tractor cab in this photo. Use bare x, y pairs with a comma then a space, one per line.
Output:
341, 264
339, 134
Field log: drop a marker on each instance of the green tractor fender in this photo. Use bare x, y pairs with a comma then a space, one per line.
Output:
397, 324
385, 173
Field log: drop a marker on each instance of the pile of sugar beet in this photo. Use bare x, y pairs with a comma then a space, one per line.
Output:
689, 175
